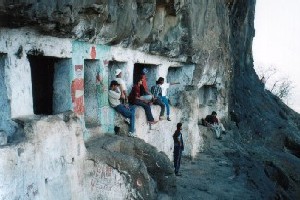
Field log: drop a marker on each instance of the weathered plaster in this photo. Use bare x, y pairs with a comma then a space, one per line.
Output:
52, 164
7, 126
97, 92
62, 86
97, 61
17, 43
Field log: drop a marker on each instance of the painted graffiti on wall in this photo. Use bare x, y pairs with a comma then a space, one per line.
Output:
98, 56
93, 52
101, 172
104, 183
78, 91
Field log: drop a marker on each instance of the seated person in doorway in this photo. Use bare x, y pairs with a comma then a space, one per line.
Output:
164, 87
213, 122
127, 111
135, 99
123, 88
156, 91
145, 94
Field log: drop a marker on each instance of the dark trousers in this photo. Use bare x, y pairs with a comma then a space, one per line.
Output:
147, 109
159, 102
177, 158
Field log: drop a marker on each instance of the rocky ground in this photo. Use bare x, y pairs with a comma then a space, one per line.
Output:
212, 175
237, 167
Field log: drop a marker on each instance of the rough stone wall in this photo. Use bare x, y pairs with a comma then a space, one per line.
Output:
269, 129
61, 86
53, 163
188, 31
215, 36
179, 33
95, 94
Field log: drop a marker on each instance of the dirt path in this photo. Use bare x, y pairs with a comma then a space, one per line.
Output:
211, 175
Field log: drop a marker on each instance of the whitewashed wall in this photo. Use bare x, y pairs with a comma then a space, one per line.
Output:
52, 164
20, 42
53, 156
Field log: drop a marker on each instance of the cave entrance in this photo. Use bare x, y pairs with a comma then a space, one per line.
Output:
90, 93
151, 73
182, 75
208, 95
51, 84
168, 5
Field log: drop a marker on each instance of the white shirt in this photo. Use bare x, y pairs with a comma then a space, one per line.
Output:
114, 98
122, 83
164, 89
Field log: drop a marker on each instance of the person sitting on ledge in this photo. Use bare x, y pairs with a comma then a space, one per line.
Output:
135, 99
127, 111
144, 92
156, 91
213, 122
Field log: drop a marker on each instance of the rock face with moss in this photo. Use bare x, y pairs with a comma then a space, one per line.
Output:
213, 36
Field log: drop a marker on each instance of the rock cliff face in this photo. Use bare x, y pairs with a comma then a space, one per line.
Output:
215, 37
196, 31
270, 130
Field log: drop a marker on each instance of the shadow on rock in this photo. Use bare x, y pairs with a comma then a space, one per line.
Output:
148, 171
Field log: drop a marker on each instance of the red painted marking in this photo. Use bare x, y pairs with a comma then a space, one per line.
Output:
77, 95
93, 53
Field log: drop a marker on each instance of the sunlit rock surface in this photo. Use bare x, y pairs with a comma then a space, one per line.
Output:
205, 45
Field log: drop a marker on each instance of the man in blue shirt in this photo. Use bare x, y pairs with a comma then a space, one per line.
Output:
178, 148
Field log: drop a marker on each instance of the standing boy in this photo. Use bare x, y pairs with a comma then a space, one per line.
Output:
178, 148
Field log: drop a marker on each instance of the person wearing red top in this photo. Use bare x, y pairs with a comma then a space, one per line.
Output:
144, 92
213, 122
135, 99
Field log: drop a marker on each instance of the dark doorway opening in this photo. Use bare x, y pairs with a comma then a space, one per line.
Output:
182, 75
169, 6
51, 90
42, 74
151, 71
208, 95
